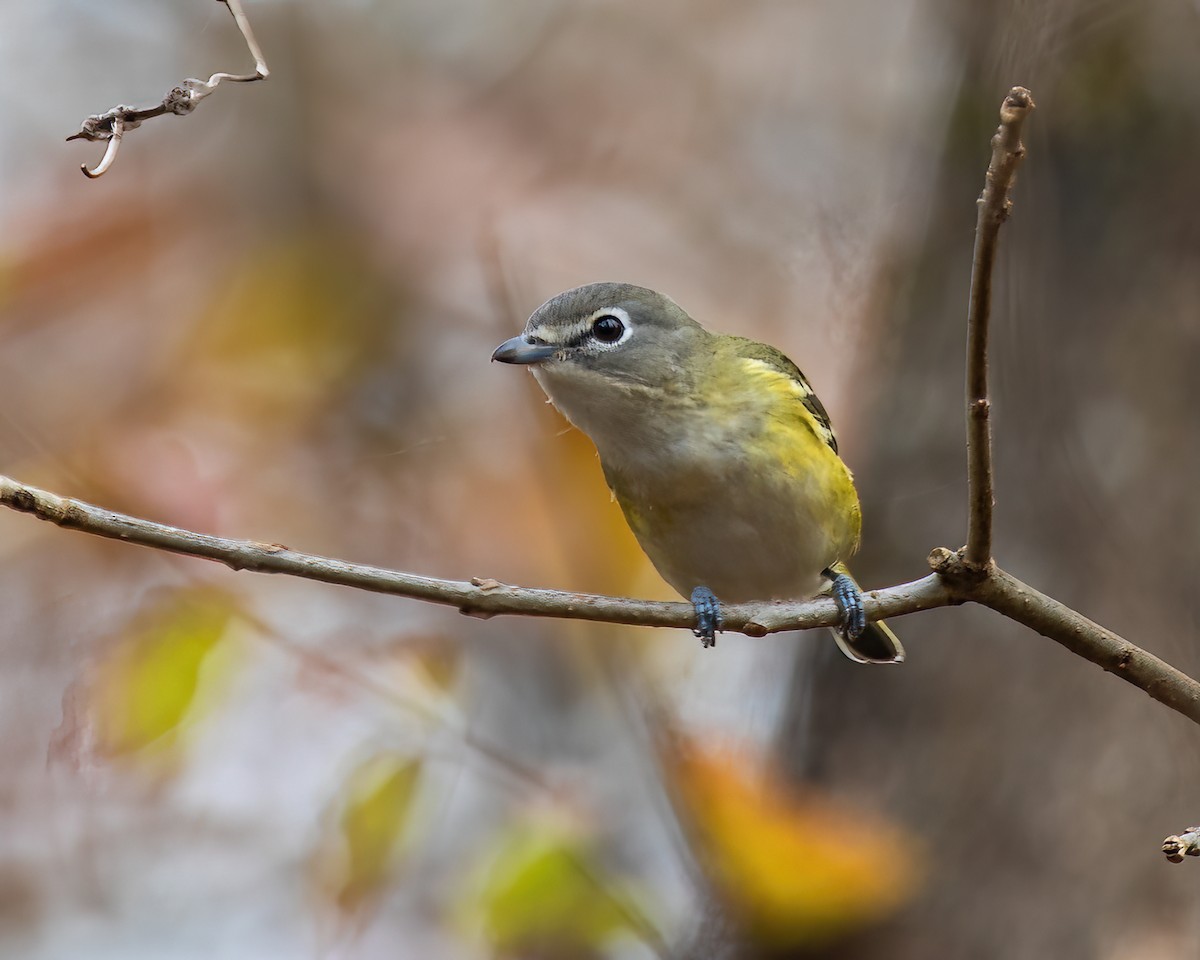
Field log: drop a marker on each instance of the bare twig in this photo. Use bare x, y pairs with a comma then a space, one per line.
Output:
181, 100
953, 582
481, 597
1018, 601
994, 205
1186, 844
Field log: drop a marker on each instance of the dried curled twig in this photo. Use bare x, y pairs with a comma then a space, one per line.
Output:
181, 100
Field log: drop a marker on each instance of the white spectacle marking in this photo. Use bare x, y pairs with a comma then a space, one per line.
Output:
617, 312
579, 332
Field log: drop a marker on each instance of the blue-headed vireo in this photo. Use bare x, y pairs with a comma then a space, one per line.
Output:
718, 451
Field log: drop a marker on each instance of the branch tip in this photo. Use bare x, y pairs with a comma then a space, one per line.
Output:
1016, 105
110, 152
1175, 848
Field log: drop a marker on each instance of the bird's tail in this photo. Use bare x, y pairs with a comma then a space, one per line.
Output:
876, 644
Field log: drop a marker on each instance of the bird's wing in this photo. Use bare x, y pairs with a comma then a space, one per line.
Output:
770, 357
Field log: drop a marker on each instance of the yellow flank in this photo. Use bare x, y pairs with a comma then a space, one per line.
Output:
794, 439
781, 388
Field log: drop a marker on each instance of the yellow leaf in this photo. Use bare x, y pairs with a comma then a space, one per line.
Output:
140, 693
359, 854
298, 316
547, 896
795, 868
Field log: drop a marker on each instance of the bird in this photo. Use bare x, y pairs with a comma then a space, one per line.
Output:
717, 449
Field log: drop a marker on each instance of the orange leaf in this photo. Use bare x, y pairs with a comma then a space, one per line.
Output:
797, 869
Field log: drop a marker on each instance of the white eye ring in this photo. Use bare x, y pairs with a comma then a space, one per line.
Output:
604, 323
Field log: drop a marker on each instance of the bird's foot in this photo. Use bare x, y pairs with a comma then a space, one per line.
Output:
849, 602
708, 616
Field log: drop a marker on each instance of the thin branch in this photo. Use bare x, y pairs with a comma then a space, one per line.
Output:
1186, 844
954, 581
994, 205
180, 100
480, 597
1018, 601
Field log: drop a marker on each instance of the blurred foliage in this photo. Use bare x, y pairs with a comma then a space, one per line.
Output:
294, 320
438, 659
548, 896
798, 869
361, 849
137, 697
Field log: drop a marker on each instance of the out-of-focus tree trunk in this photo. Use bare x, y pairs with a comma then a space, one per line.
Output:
1041, 786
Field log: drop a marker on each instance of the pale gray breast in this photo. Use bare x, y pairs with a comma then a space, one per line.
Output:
717, 521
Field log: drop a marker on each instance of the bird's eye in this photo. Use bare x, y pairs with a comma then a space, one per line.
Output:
607, 328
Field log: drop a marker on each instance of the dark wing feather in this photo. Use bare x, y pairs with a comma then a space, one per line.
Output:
753, 350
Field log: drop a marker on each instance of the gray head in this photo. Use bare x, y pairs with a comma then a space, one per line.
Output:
613, 331
613, 358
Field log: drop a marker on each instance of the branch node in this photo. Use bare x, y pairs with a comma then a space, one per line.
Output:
954, 567
71, 516
1176, 848
181, 100
940, 559
24, 501
116, 131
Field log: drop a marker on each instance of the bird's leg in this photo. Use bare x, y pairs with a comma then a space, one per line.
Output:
849, 602
708, 616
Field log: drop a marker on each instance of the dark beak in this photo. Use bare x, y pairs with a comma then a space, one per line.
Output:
520, 350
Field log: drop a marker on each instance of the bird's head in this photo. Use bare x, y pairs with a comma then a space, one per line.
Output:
601, 342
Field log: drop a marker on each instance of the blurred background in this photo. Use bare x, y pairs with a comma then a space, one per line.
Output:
272, 320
